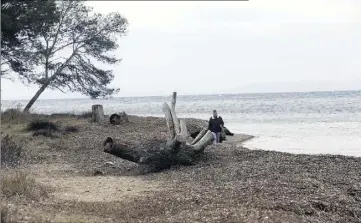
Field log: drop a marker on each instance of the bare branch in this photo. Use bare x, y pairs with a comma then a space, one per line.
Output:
60, 69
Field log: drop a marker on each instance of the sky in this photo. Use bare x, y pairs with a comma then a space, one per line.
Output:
230, 47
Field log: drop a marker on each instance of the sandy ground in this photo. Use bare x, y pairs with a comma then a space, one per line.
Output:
228, 184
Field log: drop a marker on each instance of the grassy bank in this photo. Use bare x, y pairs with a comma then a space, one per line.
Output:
62, 174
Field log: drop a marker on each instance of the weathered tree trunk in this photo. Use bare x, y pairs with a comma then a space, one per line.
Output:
162, 158
168, 117
116, 119
183, 129
203, 142
174, 115
48, 82
176, 151
199, 136
97, 113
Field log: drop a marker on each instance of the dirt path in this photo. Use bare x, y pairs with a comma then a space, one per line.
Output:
99, 188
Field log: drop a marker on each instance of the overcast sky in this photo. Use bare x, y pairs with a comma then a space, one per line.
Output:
231, 47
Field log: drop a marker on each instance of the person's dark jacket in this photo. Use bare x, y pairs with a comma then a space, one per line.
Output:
215, 124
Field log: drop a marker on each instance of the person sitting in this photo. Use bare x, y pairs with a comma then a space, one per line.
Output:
215, 126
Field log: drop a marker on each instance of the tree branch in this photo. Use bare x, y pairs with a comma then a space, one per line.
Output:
63, 14
60, 69
47, 58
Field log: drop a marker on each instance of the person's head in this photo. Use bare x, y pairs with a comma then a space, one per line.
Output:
215, 114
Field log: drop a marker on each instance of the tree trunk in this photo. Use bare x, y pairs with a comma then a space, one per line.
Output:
97, 113
172, 153
47, 82
206, 140
116, 119
168, 118
176, 151
199, 136
36, 96
174, 115
183, 127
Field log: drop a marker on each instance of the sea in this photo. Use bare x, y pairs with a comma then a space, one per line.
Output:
300, 123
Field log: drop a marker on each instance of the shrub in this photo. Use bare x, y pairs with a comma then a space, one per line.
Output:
10, 152
14, 115
11, 113
20, 184
37, 125
71, 129
44, 132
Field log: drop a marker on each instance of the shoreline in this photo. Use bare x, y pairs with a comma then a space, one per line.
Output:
261, 142
240, 141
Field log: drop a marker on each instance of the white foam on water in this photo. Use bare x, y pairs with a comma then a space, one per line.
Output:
340, 138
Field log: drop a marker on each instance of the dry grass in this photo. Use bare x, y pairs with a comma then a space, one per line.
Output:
16, 116
11, 151
86, 115
11, 114
19, 184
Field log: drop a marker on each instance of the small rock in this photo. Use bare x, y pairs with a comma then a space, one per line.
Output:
109, 163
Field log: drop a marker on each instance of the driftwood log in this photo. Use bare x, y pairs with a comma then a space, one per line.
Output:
118, 118
177, 150
97, 113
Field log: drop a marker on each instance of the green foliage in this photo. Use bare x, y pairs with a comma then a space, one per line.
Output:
85, 37
21, 22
